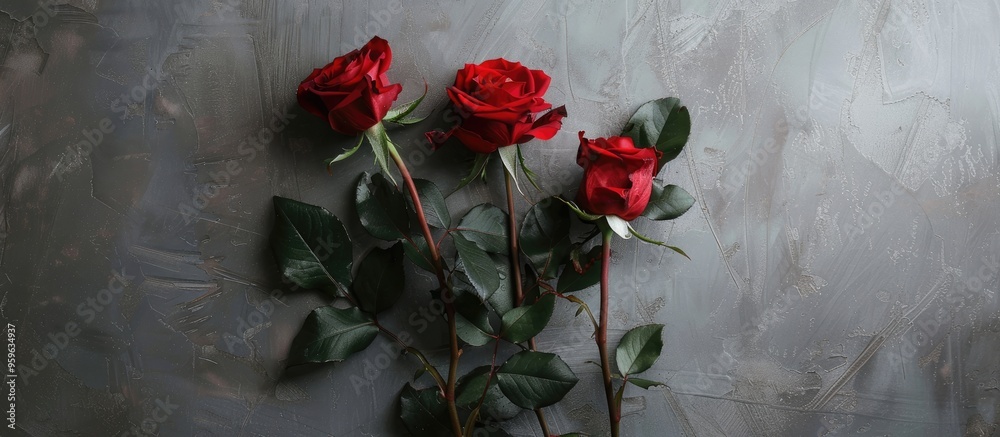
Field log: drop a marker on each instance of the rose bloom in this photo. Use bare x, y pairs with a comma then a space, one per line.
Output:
497, 101
617, 176
353, 92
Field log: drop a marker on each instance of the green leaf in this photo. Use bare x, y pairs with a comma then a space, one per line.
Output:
424, 412
508, 155
679, 251
435, 207
381, 145
418, 252
585, 216
545, 236
478, 170
658, 243
311, 245
397, 114
502, 300
581, 308
471, 387
645, 383
527, 171
486, 225
639, 349
667, 203
347, 154
478, 266
332, 334
661, 123
409, 120
472, 319
379, 281
590, 272
381, 208
526, 321
535, 379
619, 394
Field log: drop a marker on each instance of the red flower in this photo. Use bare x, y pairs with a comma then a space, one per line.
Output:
497, 101
353, 92
617, 176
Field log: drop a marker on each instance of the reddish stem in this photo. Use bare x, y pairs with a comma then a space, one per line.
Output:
515, 268
471, 421
602, 336
515, 262
446, 295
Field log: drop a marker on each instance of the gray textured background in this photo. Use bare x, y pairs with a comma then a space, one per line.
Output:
844, 244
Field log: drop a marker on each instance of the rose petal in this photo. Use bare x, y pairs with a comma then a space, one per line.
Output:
546, 126
483, 136
381, 99
438, 137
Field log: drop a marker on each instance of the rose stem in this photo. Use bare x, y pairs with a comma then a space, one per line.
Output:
446, 297
515, 267
471, 421
416, 352
602, 335
541, 422
515, 261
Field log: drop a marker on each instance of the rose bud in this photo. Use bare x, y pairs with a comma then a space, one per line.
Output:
353, 92
617, 176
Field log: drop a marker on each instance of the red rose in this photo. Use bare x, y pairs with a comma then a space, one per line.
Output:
617, 176
353, 92
497, 101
